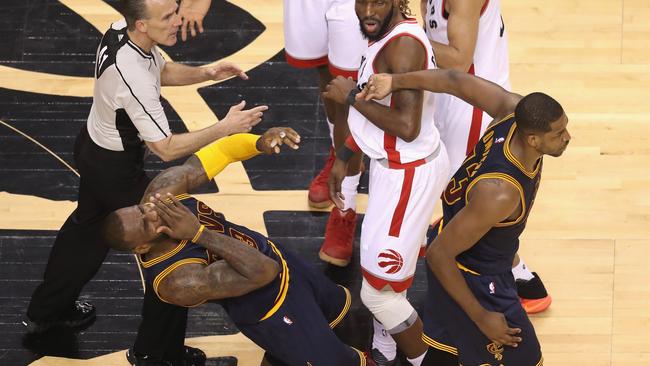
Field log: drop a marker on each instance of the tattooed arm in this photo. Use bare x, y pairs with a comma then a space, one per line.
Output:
242, 270
191, 175
489, 202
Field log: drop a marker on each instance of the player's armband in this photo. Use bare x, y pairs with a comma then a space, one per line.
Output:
216, 156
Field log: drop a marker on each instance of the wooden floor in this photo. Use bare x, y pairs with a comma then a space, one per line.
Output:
588, 236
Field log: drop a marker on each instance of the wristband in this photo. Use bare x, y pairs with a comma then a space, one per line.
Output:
351, 98
198, 234
344, 153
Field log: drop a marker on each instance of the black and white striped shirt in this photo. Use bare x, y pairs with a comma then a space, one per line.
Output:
126, 107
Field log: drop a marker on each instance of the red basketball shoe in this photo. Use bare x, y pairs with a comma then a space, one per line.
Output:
339, 237
319, 191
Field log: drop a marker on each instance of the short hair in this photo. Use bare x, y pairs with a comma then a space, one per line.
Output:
112, 232
133, 10
536, 111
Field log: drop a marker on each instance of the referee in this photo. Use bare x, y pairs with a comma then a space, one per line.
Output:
125, 119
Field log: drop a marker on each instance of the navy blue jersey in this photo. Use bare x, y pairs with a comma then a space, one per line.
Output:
252, 307
491, 158
292, 319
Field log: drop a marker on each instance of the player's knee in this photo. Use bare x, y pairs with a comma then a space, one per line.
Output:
392, 309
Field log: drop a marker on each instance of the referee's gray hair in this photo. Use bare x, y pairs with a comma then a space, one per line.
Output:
133, 10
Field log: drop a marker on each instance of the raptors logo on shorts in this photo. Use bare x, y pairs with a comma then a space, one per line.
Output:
390, 261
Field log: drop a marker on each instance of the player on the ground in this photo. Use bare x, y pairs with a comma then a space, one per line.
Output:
408, 169
191, 254
472, 314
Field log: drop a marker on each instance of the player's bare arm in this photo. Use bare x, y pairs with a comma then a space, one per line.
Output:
481, 93
243, 268
462, 32
490, 201
191, 175
402, 55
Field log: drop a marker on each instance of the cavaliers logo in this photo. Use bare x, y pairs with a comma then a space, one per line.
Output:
496, 350
390, 261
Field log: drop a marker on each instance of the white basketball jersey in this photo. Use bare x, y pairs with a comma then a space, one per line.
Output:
491, 51
373, 141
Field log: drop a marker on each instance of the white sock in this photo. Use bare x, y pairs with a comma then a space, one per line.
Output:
349, 190
330, 125
418, 360
383, 341
521, 271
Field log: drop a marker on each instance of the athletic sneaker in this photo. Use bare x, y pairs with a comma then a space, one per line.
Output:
533, 295
319, 191
339, 237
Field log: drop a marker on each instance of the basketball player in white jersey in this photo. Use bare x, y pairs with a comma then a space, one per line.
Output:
470, 36
324, 35
408, 168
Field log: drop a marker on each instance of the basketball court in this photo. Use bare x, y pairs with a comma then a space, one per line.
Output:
588, 236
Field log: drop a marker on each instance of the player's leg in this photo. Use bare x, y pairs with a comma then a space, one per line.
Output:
448, 328
305, 33
298, 332
345, 47
436, 309
305, 37
390, 242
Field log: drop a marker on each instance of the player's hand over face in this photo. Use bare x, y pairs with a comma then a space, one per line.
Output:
495, 327
275, 137
224, 70
338, 89
337, 174
378, 87
181, 222
192, 13
239, 120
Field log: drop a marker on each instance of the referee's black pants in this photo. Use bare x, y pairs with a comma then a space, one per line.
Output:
109, 180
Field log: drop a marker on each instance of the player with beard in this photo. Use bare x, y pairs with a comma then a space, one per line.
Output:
408, 171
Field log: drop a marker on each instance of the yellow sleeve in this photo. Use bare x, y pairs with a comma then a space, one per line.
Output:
216, 156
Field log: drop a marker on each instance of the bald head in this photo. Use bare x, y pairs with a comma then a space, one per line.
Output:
114, 234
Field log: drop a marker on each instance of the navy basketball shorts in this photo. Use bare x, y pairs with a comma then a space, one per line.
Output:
448, 328
300, 331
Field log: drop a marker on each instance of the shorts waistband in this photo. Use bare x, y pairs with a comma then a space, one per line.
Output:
415, 163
